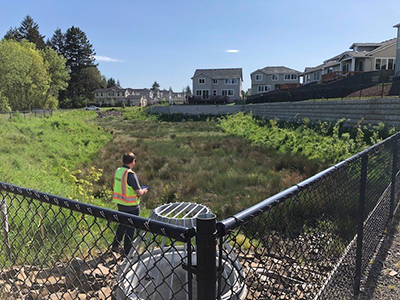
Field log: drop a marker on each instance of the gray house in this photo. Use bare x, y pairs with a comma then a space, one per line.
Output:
363, 57
397, 68
208, 83
273, 78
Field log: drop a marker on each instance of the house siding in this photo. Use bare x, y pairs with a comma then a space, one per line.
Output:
221, 85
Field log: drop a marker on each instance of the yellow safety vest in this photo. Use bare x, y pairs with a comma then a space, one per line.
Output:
123, 193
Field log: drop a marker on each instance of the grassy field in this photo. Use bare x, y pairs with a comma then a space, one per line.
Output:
196, 161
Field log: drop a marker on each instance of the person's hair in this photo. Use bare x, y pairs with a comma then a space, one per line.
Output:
128, 158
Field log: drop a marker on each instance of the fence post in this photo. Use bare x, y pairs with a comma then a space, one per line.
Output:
383, 88
4, 224
394, 173
360, 230
206, 253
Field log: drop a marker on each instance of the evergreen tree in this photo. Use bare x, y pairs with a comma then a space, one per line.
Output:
155, 86
111, 82
28, 30
188, 91
77, 50
57, 41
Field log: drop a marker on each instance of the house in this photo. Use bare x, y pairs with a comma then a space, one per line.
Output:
208, 83
273, 78
397, 68
115, 96
363, 57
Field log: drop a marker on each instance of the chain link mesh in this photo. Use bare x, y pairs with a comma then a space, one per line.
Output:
302, 244
53, 252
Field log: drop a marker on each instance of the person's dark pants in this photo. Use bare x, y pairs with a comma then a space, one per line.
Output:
126, 231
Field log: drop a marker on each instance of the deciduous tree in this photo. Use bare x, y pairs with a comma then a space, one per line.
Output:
24, 79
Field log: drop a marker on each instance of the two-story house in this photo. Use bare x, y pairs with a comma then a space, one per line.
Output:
273, 78
363, 57
117, 95
208, 83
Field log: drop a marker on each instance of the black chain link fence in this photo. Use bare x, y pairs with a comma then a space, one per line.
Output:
316, 240
57, 248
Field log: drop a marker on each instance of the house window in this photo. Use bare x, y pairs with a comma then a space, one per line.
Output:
316, 76
385, 64
275, 77
231, 81
214, 92
215, 81
259, 77
290, 77
227, 92
202, 81
204, 94
263, 88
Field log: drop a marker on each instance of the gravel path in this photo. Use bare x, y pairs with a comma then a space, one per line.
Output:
384, 283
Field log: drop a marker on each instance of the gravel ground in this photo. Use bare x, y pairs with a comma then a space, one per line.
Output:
384, 282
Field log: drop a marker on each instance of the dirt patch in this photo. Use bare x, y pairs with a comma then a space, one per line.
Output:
384, 281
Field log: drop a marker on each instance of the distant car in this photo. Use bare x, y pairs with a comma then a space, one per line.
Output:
92, 107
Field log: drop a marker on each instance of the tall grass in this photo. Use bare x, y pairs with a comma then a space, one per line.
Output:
322, 141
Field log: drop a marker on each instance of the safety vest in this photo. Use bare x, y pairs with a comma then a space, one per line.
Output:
123, 193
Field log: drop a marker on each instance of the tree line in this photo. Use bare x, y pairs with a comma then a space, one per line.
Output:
60, 72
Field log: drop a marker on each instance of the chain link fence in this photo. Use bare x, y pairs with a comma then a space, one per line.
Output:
57, 248
316, 240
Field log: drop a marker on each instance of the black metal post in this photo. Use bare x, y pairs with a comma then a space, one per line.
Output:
360, 230
383, 87
206, 252
394, 173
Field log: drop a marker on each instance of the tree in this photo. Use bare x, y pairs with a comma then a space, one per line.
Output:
4, 105
57, 41
84, 75
155, 86
188, 91
28, 30
77, 50
24, 80
111, 82
58, 72
82, 85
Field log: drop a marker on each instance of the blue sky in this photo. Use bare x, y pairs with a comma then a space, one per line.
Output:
138, 42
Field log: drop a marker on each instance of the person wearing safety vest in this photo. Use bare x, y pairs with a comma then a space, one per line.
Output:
126, 194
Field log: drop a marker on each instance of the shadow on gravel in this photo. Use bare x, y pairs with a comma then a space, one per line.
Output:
379, 261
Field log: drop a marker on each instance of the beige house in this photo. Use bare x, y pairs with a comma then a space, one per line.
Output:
116, 96
363, 57
273, 78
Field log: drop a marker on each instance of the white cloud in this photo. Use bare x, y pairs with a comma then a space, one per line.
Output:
106, 59
232, 51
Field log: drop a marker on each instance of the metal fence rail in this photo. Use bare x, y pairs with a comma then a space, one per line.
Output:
315, 240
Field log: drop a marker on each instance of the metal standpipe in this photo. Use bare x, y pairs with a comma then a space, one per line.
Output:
206, 244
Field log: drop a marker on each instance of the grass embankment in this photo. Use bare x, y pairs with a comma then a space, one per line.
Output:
43, 154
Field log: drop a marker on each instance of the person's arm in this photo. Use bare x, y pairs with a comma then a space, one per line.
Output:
133, 181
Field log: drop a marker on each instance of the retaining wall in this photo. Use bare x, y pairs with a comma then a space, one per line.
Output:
372, 111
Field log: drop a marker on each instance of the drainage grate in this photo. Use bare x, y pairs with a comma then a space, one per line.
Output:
156, 271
